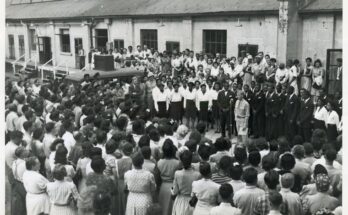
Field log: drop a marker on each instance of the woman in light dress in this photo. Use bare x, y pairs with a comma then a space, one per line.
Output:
167, 167
35, 184
141, 184
63, 194
82, 164
61, 158
182, 185
306, 79
205, 190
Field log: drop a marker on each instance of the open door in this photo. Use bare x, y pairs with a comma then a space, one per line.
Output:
45, 51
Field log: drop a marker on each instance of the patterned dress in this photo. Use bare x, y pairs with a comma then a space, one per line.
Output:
140, 183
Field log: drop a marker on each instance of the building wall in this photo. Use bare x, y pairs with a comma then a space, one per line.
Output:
15, 30
320, 34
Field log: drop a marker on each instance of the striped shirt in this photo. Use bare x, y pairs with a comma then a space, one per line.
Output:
220, 179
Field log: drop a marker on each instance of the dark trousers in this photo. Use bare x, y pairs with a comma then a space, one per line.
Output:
306, 133
225, 122
271, 128
250, 123
258, 125
291, 129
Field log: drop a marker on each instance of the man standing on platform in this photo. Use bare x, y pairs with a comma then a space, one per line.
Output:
258, 108
291, 110
305, 116
226, 104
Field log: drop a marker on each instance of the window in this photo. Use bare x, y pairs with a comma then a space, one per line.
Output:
214, 41
78, 45
149, 38
33, 39
171, 46
11, 46
64, 40
101, 38
251, 49
21, 46
118, 44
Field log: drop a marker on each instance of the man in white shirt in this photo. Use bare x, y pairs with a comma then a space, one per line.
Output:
225, 207
11, 118
160, 99
146, 52
281, 75
49, 137
68, 137
10, 147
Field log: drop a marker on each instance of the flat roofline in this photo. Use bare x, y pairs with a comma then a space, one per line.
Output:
321, 11
240, 13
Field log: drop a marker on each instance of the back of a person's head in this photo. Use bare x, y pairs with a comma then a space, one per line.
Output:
298, 151
96, 152
27, 125
110, 147
137, 159
262, 144
59, 172
138, 127
195, 136
319, 169
186, 159
168, 129
297, 140
283, 145
191, 145
61, 155
101, 136
168, 149
144, 141
127, 149
221, 144
240, 154
146, 151
226, 192
204, 151
98, 164
271, 179
308, 147
102, 203
273, 145
154, 135
254, 158
250, 175
287, 161
121, 122
236, 171
205, 169
201, 127
330, 155
37, 133
225, 163
275, 199
287, 180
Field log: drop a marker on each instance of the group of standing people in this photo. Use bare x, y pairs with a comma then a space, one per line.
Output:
111, 147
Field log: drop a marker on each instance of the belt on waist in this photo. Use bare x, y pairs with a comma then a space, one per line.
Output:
37, 193
60, 205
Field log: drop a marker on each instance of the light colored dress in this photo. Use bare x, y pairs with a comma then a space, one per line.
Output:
317, 72
182, 188
140, 183
82, 164
60, 194
207, 193
167, 168
306, 79
37, 199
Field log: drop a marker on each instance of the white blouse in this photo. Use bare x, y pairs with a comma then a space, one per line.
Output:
189, 96
333, 119
213, 94
59, 192
175, 97
321, 114
203, 98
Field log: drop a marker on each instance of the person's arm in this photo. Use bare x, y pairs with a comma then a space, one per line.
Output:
154, 97
197, 102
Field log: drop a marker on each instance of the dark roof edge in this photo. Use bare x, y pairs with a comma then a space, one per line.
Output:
243, 13
322, 11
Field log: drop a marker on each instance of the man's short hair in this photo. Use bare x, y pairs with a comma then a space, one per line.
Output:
226, 191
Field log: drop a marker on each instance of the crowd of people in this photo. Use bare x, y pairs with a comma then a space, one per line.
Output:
110, 147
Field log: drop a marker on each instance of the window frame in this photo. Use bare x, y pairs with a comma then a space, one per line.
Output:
119, 42
33, 39
170, 46
215, 41
65, 37
149, 37
21, 45
97, 37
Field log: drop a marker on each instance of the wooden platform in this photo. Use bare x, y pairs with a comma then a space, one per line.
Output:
77, 75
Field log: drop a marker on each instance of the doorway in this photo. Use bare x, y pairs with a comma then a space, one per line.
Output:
101, 39
79, 53
248, 48
331, 70
45, 52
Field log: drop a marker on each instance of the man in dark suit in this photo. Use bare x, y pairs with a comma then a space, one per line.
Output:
305, 116
272, 112
292, 106
226, 101
280, 110
248, 95
135, 91
258, 110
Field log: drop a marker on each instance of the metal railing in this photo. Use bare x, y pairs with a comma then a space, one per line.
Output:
42, 68
31, 58
59, 65
15, 62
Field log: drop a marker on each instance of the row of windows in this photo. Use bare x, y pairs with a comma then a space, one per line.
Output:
214, 41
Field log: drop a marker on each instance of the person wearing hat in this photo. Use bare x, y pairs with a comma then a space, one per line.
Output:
189, 106
203, 104
175, 104
322, 199
161, 103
